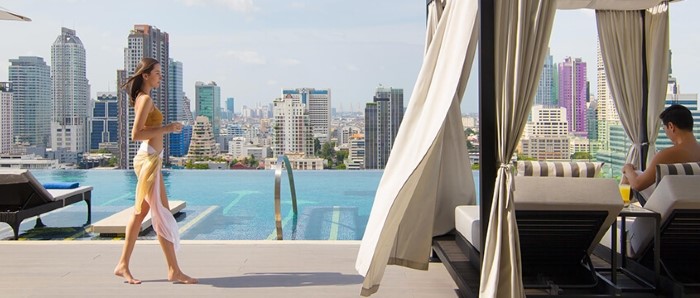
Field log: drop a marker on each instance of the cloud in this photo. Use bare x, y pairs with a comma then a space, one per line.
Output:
271, 82
243, 6
247, 57
298, 5
352, 67
290, 62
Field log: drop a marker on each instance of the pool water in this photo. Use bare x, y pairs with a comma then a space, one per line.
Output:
222, 205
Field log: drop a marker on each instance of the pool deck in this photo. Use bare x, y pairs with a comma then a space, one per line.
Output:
234, 268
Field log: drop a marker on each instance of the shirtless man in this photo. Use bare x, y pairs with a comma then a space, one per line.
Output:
678, 125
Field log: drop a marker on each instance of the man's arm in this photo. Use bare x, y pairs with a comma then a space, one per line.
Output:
641, 181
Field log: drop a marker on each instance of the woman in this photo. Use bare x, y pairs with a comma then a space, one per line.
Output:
150, 189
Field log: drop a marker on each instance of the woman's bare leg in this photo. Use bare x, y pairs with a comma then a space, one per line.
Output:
132, 232
174, 272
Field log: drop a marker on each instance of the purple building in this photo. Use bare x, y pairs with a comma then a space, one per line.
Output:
572, 94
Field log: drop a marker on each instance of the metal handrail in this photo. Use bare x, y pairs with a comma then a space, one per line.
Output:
278, 179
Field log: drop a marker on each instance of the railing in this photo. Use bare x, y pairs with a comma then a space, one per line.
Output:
278, 179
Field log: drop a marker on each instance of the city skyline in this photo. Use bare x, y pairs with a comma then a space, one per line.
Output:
259, 49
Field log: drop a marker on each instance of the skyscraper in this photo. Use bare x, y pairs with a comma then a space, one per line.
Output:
317, 102
291, 131
70, 92
105, 120
546, 91
5, 117
31, 100
572, 93
143, 41
202, 143
607, 114
187, 110
176, 95
382, 120
230, 106
208, 104
546, 136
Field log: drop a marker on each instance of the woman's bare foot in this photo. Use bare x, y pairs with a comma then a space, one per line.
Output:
181, 278
122, 271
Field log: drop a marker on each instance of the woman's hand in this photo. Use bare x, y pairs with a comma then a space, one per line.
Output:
628, 168
173, 127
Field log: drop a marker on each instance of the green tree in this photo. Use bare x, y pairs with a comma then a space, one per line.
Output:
525, 157
341, 167
581, 155
317, 147
340, 156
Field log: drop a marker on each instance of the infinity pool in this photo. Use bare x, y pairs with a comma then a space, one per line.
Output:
222, 205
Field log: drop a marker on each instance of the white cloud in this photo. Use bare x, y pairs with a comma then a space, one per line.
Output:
247, 57
352, 67
271, 82
290, 62
243, 6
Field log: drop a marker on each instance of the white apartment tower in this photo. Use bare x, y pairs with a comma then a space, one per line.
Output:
143, 41
546, 136
291, 129
317, 102
70, 92
5, 117
202, 144
607, 114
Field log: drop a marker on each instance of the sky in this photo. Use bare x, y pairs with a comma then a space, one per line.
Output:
253, 49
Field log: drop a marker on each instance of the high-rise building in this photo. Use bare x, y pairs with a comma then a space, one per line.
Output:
317, 102
105, 120
143, 41
70, 92
180, 142
230, 107
187, 110
607, 114
176, 95
546, 137
382, 120
291, 133
547, 90
592, 118
5, 117
356, 155
202, 143
31, 100
208, 104
572, 93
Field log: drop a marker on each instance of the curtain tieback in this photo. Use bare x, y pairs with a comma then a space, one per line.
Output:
510, 182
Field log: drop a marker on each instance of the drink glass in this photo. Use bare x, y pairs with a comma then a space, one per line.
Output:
626, 193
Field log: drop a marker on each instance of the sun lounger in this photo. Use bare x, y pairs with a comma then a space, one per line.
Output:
22, 196
560, 221
677, 199
116, 223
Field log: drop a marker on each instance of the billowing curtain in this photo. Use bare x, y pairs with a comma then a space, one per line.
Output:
656, 26
522, 33
620, 34
428, 172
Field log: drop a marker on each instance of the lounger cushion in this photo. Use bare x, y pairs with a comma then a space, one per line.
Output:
62, 194
552, 194
689, 168
673, 192
468, 224
559, 169
61, 185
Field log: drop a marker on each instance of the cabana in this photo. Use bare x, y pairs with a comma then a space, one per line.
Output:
428, 176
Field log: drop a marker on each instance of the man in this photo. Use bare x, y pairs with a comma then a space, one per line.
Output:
678, 126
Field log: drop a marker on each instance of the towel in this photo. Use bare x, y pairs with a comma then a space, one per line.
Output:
61, 185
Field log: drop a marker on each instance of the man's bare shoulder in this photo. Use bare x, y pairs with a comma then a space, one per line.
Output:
666, 155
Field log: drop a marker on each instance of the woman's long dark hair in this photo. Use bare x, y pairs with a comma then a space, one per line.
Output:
134, 83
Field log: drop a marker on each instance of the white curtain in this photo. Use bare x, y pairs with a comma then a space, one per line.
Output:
607, 4
429, 174
620, 34
522, 33
656, 27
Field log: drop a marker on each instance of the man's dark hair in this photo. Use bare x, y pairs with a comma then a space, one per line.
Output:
679, 115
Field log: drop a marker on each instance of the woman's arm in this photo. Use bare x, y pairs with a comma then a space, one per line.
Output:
140, 132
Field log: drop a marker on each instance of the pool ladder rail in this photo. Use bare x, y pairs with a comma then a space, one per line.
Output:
278, 180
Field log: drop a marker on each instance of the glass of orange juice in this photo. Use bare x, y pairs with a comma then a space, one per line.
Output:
625, 193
